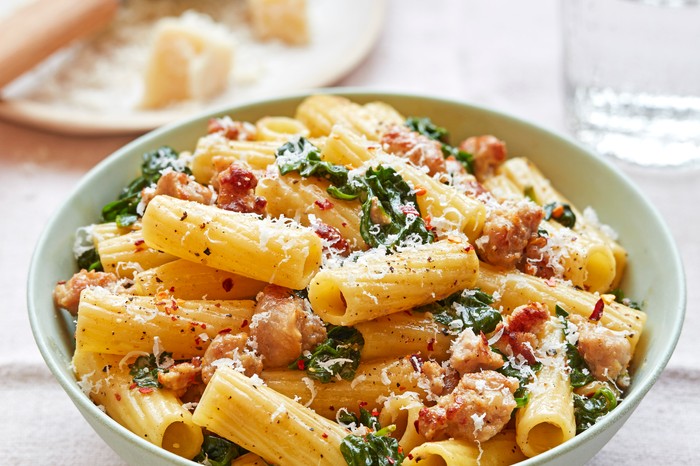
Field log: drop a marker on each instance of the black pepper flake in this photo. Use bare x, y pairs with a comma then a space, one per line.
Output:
184, 216
207, 251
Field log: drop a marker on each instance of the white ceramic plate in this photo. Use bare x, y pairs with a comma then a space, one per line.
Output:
342, 33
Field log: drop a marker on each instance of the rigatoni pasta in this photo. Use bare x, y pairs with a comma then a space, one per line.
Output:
350, 288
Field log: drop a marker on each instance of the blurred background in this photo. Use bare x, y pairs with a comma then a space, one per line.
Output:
61, 118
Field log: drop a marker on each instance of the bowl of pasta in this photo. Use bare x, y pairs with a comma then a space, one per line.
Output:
354, 277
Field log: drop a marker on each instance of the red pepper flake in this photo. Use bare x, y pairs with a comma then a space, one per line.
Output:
363, 404
173, 318
558, 211
551, 282
300, 364
375, 413
118, 396
468, 248
597, 310
225, 330
409, 209
145, 390
324, 204
402, 388
244, 324
132, 386
139, 242
410, 456
431, 344
399, 449
227, 284
324, 435
390, 460
172, 289
420, 191
197, 341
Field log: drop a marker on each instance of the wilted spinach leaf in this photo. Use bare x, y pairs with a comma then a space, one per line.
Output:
560, 213
587, 411
145, 369
123, 210
303, 157
338, 355
390, 212
90, 260
373, 449
580, 374
217, 451
467, 308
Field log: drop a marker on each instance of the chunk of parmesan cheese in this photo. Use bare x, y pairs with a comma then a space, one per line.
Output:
190, 58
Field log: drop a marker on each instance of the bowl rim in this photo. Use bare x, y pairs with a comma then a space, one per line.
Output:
86, 406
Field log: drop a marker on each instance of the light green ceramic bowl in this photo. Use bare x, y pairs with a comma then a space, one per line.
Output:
654, 277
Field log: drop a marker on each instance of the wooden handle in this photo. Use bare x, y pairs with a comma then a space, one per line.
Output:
36, 31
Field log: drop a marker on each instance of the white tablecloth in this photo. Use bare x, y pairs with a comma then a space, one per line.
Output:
496, 53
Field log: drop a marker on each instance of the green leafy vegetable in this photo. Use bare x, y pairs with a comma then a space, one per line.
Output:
338, 355
123, 211
373, 449
366, 418
467, 308
217, 451
389, 194
90, 260
389, 208
145, 369
427, 128
620, 298
587, 411
524, 373
303, 157
580, 374
560, 213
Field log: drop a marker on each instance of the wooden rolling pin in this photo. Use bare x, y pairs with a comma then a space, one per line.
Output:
37, 30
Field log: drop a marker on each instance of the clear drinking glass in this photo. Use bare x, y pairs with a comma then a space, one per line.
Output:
632, 76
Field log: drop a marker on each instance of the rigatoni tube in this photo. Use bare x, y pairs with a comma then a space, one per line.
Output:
259, 419
378, 284
285, 254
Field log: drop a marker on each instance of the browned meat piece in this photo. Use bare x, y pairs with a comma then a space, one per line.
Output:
234, 130
489, 153
471, 353
282, 327
478, 408
439, 380
606, 352
181, 376
522, 329
507, 231
236, 185
333, 240
66, 294
420, 150
535, 258
179, 185
230, 346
